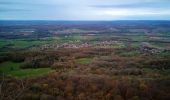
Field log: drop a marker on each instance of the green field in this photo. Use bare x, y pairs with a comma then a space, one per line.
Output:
25, 43
11, 68
84, 60
3, 43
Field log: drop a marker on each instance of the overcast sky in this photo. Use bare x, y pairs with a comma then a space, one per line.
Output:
84, 9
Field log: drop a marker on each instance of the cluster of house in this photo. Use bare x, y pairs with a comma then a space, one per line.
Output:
145, 48
106, 43
74, 45
64, 45
67, 45
150, 50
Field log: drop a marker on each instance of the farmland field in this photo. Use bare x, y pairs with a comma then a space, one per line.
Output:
13, 69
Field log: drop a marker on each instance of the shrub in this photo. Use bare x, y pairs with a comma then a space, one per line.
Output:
159, 64
60, 65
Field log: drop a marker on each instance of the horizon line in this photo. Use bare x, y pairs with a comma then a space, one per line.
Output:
85, 20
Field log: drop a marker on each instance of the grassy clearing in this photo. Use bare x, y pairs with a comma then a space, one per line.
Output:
7, 67
13, 69
31, 72
84, 60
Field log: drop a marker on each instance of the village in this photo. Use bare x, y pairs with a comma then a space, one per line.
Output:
55, 46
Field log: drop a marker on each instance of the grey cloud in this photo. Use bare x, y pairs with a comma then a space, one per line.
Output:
136, 5
8, 3
13, 10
